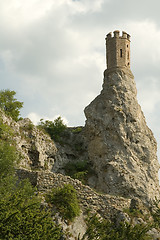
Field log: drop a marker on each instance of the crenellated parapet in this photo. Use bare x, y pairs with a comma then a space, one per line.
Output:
118, 50
116, 34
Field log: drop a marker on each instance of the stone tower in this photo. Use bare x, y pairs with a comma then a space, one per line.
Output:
118, 50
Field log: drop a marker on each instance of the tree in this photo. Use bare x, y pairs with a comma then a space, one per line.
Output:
9, 104
55, 128
22, 216
21, 213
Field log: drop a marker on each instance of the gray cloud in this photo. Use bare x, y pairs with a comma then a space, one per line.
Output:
52, 53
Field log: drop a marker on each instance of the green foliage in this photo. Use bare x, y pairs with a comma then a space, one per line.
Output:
21, 214
81, 176
65, 200
8, 152
54, 129
9, 104
29, 127
78, 170
77, 130
5, 131
22, 217
73, 167
156, 214
105, 230
138, 213
8, 155
133, 212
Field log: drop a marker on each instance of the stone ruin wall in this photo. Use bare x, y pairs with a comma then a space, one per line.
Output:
105, 205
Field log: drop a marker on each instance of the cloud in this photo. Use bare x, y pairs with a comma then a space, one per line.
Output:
49, 61
145, 41
35, 118
52, 53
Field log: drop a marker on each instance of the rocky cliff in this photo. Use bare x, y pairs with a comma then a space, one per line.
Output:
120, 145
116, 144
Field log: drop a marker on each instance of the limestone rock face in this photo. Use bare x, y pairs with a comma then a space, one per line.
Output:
120, 145
36, 149
39, 151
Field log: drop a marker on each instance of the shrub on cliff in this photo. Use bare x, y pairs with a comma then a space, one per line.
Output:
156, 213
65, 200
8, 155
54, 129
78, 170
105, 230
9, 104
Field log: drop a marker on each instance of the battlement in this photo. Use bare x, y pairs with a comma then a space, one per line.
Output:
118, 49
116, 34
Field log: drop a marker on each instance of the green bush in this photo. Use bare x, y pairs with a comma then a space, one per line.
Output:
78, 170
54, 129
8, 156
77, 129
73, 167
65, 200
29, 127
6, 132
9, 104
105, 230
81, 176
156, 213
21, 214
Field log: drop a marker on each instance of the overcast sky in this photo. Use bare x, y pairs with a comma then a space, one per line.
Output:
52, 53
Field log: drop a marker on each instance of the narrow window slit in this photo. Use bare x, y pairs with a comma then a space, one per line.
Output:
120, 52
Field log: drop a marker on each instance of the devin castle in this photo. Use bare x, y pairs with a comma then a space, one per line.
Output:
118, 50
115, 142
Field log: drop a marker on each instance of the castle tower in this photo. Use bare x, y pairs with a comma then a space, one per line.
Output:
121, 147
118, 50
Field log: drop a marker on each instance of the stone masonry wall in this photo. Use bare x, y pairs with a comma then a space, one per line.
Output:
118, 50
105, 205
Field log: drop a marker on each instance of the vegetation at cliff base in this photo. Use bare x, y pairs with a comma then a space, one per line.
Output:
102, 229
65, 200
10, 104
21, 213
22, 216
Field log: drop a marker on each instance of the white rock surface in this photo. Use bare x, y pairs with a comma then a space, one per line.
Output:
120, 145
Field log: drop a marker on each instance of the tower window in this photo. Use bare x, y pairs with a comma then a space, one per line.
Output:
120, 52
127, 45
